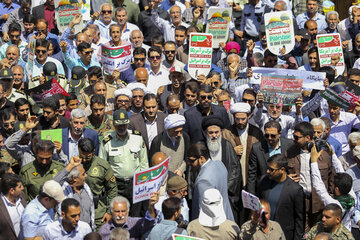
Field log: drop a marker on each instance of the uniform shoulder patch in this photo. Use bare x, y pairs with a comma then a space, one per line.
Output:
107, 139
35, 174
19, 91
112, 179
136, 132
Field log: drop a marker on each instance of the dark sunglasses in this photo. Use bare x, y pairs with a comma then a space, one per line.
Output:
88, 52
297, 137
172, 52
272, 169
155, 57
270, 135
9, 124
41, 51
206, 97
139, 59
105, 12
248, 100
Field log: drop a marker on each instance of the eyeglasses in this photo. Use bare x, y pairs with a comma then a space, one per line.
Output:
40, 51
297, 137
248, 100
272, 169
106, 11
88, 52
270, 135
14, 36
154, 57
8, 124
122, 101
204, 97
139, 59
172, 52
216, 83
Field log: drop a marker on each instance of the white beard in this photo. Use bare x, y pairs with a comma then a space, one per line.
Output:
214, 146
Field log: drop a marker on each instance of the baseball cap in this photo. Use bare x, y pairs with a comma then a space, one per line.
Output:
120, 117
53, 190
50, 71
6, 73
304, 33
78, 74
176, 69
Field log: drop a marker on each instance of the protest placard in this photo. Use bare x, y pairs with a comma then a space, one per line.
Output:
279, 30
183, 237
342, 94
280, 89
52, 135
118, 58
200, 54
311, 80
31, 56
65, 11
250, 201
148, 181
218, 21
330, 51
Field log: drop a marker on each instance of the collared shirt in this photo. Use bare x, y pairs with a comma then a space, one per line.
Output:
73, 145
151, 129
71, 62
49, 16
164, 230
319, 19
22, 47
56, 231
341, 232
342, 128
34, 219
166, 5
275, 151
85, 200
15, 211
4, 9
187, 16
354, 172
71, 48
125, 35
184, 208
104, 29
252, 17
251, 231
305, 178
157, 80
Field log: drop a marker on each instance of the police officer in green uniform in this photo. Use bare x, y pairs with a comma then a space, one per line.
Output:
37, 172
101, 180
99, 120
126, 153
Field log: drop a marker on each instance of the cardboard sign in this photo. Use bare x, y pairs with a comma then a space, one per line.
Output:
183, 237
311, 80
330, 51
200, 54
280, 89
279, 31
65, 12
342, 94
149, 181
118, 58
250, 201
52, 135
218, 21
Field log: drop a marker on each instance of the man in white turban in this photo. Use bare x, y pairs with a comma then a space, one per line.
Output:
174, 142
123, 97
138, 92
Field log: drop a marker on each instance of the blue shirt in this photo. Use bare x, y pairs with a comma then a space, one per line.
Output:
5, 10
71, 48
335, 145
55, 231
164, 230
275, 151
34, 219
71, 62
319, 19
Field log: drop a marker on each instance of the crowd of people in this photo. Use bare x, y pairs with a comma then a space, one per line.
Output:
219, 132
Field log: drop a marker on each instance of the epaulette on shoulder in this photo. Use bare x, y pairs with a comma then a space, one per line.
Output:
34, 79
107, 138
136, 132
19, 91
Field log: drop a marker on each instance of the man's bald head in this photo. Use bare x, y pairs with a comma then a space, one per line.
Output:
141, 75
323, 236
136, 33
82, 37
279, 6
199, 3
158, 158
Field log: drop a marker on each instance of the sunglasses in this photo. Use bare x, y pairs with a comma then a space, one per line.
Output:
270, 135
9, 124
88, 52
16, 36
206, 97
272, 169
106, 12
248, 100
172, 52
275, 106
155, 57
297, 137
41, 51
139, 59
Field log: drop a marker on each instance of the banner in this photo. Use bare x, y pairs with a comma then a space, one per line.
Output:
218, 21
118, 58
183, 237
65, 11
52, 135
342, 94
31, 56
280, 89
149, 181
279, 31
330, 51
200, 54
250, 201
311, 80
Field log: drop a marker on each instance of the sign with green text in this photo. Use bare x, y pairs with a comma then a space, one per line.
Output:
200, 54
218, 21
183, 237
330, 52
65, 11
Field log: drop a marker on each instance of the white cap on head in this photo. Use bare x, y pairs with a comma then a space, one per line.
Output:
212, 211
123, 91
240, 107
174, 120
53, 190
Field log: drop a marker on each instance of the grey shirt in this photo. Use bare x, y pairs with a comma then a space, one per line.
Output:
85, 205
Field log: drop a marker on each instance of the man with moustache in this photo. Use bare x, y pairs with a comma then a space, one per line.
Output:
332, 19
138, 92
221, 150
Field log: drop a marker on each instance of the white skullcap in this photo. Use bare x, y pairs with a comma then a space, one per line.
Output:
136, 85
123, 91
240, 107
174, 120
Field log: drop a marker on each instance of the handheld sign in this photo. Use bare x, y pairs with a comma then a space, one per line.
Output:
31, 56
149, 181
218, 21
200, 54
330, 51
65, 11
118, 58
280, 89
52, 135
279, 32
250, 201
183, 237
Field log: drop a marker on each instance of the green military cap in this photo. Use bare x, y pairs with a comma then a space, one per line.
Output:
120, 117
6, 73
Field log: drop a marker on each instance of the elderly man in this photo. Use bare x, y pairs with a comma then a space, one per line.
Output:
332, 20
173, 142
138, 91
142, 75
105, 22
123, 98
312, 7
137, 40
14, 33
199, 6
348, 160
346, 24
137, 227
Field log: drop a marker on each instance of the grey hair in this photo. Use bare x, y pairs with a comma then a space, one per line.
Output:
136, 30
119, 234
119, 199
74, 173
332, 12
102, 5
233, 55
78, 113
317, 122
350, 10
354, 137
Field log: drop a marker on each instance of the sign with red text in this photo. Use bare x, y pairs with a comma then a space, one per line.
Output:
218, 21
65, 11
330, 51
149, 181
280, 89
279, 30
118, 58
200, 54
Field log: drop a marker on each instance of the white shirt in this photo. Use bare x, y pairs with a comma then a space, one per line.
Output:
15, 212
125, 35
305, 178
73, 146
157, 80
151, 128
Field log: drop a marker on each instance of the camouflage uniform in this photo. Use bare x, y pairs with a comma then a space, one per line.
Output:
250, 231
106, 126
341, 233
